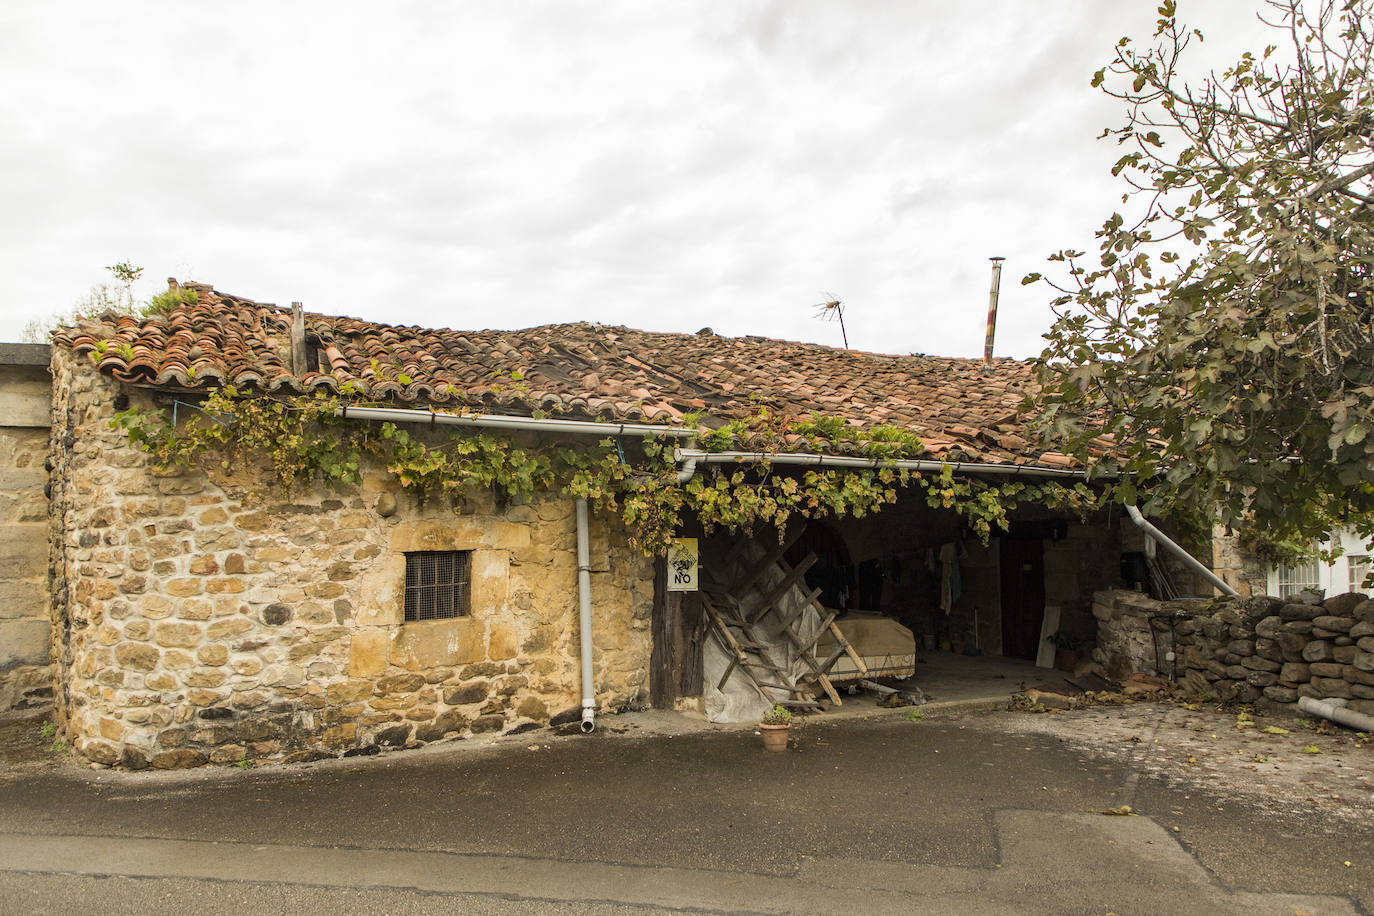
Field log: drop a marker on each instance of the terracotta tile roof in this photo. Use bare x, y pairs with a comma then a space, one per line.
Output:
960, 410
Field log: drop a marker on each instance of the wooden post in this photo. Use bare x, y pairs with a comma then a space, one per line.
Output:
662, 684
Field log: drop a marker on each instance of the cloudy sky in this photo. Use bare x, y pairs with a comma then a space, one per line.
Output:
667, 165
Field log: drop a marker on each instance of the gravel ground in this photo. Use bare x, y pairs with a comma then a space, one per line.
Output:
1314, 766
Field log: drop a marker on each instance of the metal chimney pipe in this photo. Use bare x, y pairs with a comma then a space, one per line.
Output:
298, 353
992, 307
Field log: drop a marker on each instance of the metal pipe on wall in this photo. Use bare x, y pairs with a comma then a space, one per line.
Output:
495, 421
847, 461
1163, 540
992, 307
584, 613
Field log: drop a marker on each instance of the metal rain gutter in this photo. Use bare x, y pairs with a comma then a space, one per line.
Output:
692, 457
498, 421
1163, 540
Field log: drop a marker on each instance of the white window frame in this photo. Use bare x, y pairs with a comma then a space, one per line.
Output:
1331, 578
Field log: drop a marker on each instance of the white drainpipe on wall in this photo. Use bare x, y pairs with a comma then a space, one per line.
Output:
584, 613
1163, 540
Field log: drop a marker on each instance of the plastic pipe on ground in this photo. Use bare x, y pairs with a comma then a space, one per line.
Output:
1338, 714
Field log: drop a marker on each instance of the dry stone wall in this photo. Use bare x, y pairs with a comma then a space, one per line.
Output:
1257, 650
25, 670
205, 620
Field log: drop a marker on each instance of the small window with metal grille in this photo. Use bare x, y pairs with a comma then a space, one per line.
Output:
438, 584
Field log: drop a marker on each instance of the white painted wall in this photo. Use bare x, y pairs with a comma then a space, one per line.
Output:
1332, 578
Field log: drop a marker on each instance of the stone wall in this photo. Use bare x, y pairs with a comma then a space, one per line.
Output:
1257, 650
25, 671
1237, 566
203, 619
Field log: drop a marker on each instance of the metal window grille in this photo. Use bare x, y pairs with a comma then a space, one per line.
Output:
438, 584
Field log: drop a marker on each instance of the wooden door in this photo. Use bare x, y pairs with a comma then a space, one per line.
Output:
1023, 596
677, 630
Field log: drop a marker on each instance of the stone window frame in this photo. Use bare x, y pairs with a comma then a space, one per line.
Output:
448, 600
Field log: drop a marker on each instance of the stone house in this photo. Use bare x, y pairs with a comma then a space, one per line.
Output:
198, 614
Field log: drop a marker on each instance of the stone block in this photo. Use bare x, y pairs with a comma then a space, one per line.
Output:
349, 691
431, 644
177, 635
1301, 611
1334, 624
20, 599
367, 652
222, 629
1331, 686
205, 565
137, 656
1281, 694
488, 724
1326, 669
503, 641
1342, 605
1364, 661
178, 759
443, 724
183, 588
393, 736
1318, 650
177, 660
1354, 675
1363, 612
466, 694
23, 641
1241, 647
400, 683
206, 677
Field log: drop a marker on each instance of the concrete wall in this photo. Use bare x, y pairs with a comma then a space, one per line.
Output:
205, 617
25, 404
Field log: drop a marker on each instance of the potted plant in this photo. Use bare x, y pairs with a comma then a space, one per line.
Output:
1066, 654
774, 726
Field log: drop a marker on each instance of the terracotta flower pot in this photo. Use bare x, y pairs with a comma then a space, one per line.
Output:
774, 737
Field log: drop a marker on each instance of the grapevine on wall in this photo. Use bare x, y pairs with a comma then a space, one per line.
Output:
304, 441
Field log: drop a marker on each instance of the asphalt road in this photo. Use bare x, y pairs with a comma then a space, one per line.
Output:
953, 814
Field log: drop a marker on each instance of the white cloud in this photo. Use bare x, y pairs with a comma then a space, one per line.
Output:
667, 165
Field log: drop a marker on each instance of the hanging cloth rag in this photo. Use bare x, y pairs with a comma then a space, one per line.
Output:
950, 584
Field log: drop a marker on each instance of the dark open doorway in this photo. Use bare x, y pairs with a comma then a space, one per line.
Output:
1023, 595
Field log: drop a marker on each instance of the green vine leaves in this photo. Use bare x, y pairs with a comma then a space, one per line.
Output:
303, 441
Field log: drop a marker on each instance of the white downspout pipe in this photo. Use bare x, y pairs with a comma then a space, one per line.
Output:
584, 610
1163, 540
